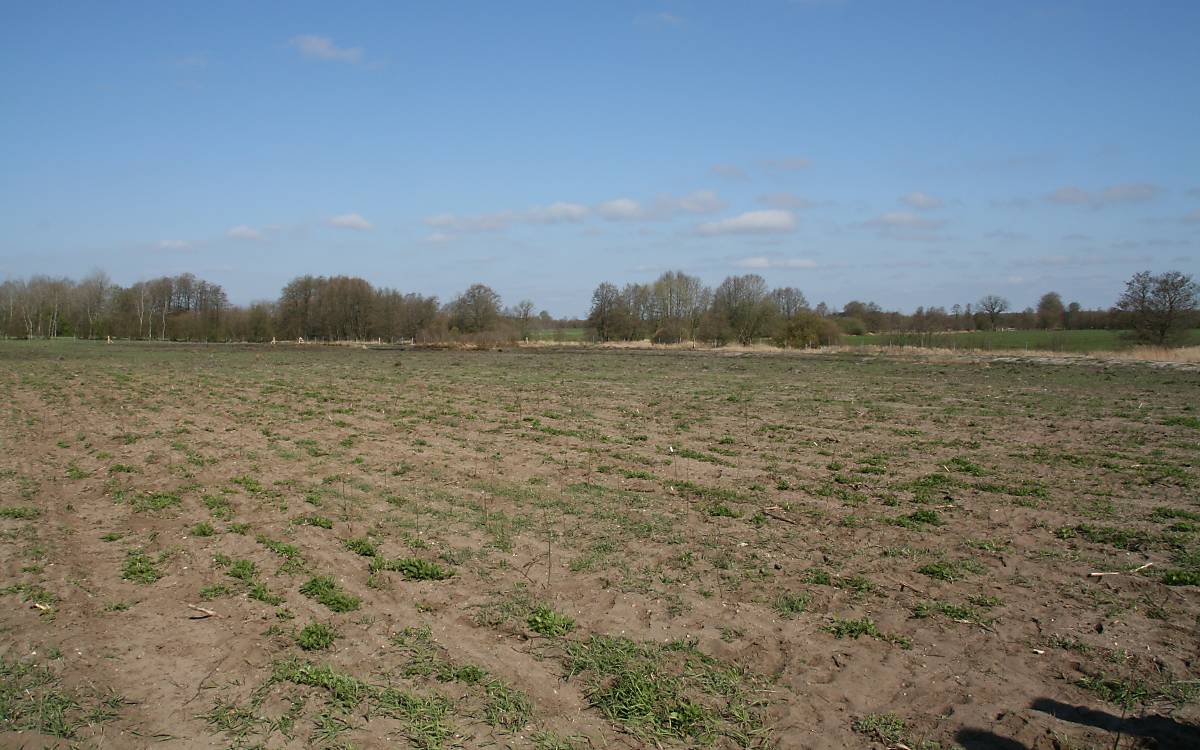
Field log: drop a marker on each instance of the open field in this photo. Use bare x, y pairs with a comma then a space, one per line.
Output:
1081, 341
560, 334
333, 547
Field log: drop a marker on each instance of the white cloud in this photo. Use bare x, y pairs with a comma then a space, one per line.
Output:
173, 245
620, 209
772, 221
557, 213
663, 207
786, 164
350, 221
785, 200
243, 232
921, 201
323, 48
438, 238
1135, 192
764, 262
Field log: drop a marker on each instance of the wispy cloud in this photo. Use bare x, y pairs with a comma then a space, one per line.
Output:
661, 18
243, 232
772, 221
785, 200
1136, 192
765, 262
449, 224
905, 225
729, 172
785, 164
903, 220
322, 48
1006, 235
189, 62
470, 224
351, 221
921, 201
173, 244
557, 213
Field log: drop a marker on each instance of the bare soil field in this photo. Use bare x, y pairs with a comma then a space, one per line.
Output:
334, 548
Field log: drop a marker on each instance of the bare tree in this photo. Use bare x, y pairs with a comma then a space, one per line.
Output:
608, 315
993, 305
1160, 307
522, 315
744, 305
91, 296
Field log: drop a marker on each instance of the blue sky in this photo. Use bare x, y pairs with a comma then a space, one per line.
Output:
911, 153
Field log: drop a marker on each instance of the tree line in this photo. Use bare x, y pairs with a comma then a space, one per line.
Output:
674, 308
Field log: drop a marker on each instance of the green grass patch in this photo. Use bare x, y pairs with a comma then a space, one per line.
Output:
327, 591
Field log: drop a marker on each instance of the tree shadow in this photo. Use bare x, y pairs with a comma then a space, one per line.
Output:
982, 739
1158, 732
1164, 732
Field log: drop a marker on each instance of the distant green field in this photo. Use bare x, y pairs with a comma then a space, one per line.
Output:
559, 334
1057, 341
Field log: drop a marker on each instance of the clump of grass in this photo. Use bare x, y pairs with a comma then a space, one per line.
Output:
327, 591
151, 501
214, 591
789, 605
422, 717
946, 570
316, 636
19, 512
33, 699
413, 568
965, 465
1122, 538
140, 568
958, 612
547, 622
361, 546
918, 518
668, 691
986, 601
1181, 578
289, 551
260, 592
243, 570
204, 528
1163, 513
721, 510
314, 520
506, 707
218, 506
864, 626
886, 728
